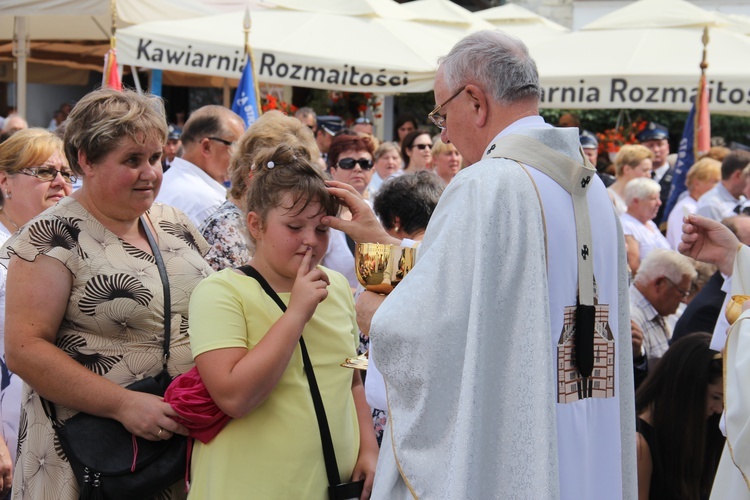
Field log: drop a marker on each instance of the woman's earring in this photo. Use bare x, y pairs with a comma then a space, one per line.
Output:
7, 194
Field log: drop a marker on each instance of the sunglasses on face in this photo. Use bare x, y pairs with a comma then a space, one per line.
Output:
420, 147
349, 163
49, 174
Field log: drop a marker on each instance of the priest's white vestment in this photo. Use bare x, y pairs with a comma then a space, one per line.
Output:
731, 481
474, 344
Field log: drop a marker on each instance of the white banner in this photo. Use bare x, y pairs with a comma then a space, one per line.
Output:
729, 95
270, 67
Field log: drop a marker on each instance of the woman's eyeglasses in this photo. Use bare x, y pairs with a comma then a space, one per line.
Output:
49, 174
349, 163
420, 147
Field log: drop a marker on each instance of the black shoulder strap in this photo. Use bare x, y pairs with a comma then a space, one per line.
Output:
165, 286
329, 454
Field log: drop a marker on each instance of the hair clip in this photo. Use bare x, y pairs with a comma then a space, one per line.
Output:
270, 164
253, 167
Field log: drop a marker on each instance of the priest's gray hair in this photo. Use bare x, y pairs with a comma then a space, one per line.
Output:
661, 262
499, 63
640, 188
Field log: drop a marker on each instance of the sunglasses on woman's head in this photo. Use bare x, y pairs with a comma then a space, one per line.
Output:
421, 147
349, 163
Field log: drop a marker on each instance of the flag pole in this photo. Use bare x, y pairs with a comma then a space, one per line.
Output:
702, 118
113, 29
249, 54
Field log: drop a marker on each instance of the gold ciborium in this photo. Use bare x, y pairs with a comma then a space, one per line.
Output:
734, 307
381, 267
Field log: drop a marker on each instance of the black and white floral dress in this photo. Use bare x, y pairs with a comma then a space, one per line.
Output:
226, 232
114, 322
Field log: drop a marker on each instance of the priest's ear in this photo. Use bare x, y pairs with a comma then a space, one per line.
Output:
479, 103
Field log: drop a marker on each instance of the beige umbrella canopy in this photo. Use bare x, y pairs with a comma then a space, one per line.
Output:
651, 67
351, 45
659, 14
74, 33
447, 13
70, 20
522, 23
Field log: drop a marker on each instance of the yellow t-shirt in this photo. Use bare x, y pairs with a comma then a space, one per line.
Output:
275, 451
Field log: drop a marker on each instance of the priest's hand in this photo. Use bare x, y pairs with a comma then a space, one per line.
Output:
367, 304
709, 241
363, 227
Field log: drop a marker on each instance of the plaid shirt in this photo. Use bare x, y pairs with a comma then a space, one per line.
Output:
656, 332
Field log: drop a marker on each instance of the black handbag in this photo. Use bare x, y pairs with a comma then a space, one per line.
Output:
109, 462
336, 489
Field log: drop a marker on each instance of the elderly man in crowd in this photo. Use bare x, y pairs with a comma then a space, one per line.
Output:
662, 283
195, 182
720, 201
500, 394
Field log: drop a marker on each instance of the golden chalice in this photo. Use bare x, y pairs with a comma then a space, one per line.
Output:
734, 307
381, 267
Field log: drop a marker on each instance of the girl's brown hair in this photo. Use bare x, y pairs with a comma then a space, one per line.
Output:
285, 170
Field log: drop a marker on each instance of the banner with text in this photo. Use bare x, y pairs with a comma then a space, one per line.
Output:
725, 95
271, 67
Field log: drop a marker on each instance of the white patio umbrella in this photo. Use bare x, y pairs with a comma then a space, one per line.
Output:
650, 62
77, 21
447, 13
525, 24
357, 53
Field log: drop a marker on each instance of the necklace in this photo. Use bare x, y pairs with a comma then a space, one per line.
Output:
10, 220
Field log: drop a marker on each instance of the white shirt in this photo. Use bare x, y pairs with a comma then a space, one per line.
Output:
189, 188
659, 172
718, 203
674, 222
647, 235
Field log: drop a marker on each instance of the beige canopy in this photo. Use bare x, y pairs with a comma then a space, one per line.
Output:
647, 55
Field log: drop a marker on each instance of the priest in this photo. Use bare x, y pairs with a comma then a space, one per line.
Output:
506, 351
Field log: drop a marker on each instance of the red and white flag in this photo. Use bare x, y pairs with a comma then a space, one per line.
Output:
111, 77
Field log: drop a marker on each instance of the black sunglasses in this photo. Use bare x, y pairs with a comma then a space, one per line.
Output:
420, 147
349, 163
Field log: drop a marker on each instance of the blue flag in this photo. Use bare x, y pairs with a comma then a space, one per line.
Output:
685, 160
245, 102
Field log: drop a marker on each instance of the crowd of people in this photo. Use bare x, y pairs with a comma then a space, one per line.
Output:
560, 335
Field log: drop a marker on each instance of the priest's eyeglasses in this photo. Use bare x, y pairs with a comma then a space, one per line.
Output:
684, 293
439, 120
48, 174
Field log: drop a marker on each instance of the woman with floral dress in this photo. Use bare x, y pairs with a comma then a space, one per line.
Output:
226, 229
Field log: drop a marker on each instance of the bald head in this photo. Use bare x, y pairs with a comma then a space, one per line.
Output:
208, 139
209, 121
14, 123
